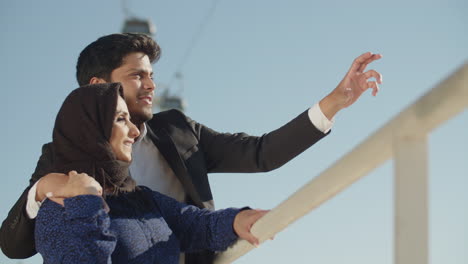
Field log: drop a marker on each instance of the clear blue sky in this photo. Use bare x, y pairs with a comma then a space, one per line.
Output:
256, 65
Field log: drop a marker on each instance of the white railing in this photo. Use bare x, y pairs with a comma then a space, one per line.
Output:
404, 138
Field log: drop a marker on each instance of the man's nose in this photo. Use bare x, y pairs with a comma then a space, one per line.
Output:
149, 84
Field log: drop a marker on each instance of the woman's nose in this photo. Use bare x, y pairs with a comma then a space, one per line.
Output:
133, 132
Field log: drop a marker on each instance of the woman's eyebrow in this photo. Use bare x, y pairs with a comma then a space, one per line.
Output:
118, 112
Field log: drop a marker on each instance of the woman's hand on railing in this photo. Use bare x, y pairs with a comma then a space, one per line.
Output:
243, 223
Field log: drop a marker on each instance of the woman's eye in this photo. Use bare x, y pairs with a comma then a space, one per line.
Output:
120, 119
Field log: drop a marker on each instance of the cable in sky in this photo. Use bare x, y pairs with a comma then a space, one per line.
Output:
194, 40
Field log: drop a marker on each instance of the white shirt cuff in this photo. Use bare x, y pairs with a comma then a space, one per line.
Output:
319, 120
32, 206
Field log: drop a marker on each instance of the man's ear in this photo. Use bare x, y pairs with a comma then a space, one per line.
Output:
96, 80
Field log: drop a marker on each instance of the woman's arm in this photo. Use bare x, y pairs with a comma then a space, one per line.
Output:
74, 228
199, 229
77, 232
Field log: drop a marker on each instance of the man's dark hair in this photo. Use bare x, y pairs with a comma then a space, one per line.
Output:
106, 54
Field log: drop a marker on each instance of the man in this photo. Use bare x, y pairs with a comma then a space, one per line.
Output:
174, 154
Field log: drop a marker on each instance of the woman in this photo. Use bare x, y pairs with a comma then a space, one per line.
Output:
93, 135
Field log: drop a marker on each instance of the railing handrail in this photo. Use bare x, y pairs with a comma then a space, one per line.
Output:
441, 103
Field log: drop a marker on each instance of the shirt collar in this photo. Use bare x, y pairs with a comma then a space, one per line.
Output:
143, 132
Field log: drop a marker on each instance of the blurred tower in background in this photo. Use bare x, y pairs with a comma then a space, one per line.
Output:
136, 25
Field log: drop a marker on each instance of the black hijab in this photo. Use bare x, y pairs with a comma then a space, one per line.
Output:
81, 137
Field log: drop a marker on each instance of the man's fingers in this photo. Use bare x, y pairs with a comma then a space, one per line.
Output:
372, 58
359, 60
51, 194
72, 173
363, 57
56, 197
98, 188
58, 194
374, 86
58, 200
373, 74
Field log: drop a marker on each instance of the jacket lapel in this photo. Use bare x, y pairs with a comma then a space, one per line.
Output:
163, 141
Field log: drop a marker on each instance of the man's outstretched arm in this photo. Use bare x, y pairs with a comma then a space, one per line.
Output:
240, 152
17, 231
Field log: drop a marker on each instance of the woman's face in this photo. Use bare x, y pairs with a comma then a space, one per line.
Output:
124, 132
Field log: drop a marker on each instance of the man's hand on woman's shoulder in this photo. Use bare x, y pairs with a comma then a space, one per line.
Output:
58, 186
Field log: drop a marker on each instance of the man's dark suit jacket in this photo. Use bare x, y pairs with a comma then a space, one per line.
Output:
192, 150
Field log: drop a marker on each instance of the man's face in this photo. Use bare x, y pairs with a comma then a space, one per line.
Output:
136, 76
